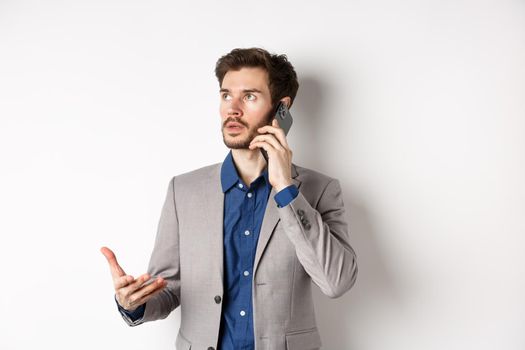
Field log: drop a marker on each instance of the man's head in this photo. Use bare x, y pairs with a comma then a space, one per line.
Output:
252, 82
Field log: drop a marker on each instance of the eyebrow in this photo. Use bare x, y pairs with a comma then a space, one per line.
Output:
245, 90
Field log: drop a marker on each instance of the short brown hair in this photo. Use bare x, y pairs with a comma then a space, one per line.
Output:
281, 74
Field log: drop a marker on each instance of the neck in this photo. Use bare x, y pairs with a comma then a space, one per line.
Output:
249, 163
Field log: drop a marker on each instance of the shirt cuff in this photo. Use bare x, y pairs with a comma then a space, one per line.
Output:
136, 314
286, 195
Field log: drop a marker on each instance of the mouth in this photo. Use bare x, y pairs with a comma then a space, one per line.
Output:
234, 127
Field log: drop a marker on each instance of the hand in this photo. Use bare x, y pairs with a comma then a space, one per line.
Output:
279, 154
130, 292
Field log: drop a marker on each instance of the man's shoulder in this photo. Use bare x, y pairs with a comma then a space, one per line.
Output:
315, 184
312, 176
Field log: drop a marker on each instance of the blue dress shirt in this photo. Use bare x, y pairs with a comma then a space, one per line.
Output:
244, 208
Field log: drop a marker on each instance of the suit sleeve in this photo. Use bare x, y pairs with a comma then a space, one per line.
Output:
321, 239
164, 262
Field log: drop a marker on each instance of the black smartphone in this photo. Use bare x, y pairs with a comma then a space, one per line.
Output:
284, 119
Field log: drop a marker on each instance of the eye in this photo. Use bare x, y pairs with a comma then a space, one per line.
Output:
252, 95
224, 95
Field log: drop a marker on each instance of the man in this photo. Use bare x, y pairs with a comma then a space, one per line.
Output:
239, 242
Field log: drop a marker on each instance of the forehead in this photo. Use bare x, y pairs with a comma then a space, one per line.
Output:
246, 78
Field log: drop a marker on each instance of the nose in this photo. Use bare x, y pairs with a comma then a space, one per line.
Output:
234, 108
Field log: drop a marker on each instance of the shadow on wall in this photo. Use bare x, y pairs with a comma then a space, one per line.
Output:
308, 107
339, 319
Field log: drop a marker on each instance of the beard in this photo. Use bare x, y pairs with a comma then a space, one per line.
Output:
243, 142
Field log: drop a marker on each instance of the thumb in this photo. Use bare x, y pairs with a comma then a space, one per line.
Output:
116, 270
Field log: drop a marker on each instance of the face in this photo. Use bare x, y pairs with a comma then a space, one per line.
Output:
245, 106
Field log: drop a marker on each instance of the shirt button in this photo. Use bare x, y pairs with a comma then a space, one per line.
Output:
246, 273
241, 186
249, 195
246, 233
242, 313
211, 348
217, 299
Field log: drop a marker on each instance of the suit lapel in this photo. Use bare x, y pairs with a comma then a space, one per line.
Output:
270, 220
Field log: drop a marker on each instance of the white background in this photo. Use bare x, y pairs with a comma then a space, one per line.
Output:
417, 107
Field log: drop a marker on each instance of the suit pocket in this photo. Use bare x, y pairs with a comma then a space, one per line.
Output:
307, 339
181, 343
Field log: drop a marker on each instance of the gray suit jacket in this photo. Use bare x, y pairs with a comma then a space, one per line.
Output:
303, 242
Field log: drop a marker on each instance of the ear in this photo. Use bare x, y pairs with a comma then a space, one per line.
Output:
287, 101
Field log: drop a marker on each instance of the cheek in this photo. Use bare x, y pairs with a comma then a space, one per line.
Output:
256, 111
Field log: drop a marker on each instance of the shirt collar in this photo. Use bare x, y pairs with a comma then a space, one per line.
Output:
229, 175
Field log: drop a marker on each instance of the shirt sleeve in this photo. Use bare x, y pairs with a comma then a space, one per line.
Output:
286, 195
135, 314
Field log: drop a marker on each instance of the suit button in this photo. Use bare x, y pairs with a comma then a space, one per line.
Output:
307, 226
211, 348
300, 212
217, 299
304, 221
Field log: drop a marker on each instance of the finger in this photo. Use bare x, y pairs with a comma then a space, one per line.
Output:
116, 270
132, 300
276, 130
280, 134
264, 145
270, 139
135, 285
144, 294
149, 288
123, 281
